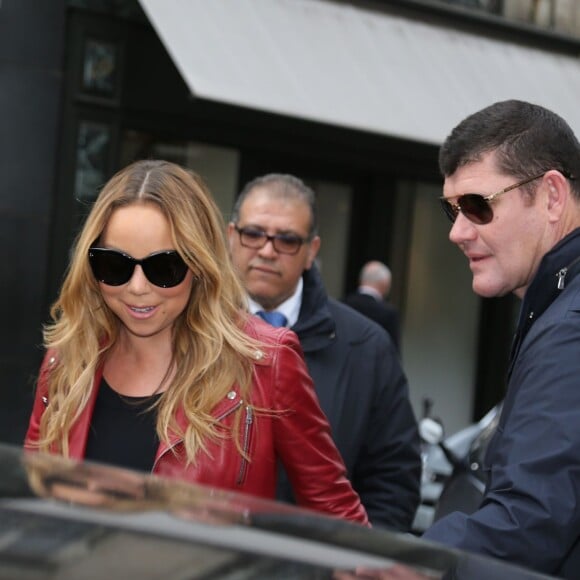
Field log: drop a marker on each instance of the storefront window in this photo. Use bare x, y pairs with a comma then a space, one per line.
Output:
334, 209
93, 146
122, 8
218, 166
439, 357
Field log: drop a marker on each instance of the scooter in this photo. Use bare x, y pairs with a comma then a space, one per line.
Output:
452, 478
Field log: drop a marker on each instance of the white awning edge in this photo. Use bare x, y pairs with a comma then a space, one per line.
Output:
347, 66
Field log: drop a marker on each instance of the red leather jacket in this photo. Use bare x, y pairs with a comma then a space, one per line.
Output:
297, 433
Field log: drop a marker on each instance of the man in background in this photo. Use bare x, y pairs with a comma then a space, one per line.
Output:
369, 299
355, 367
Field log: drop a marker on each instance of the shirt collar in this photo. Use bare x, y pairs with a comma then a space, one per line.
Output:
371, 292
290, 308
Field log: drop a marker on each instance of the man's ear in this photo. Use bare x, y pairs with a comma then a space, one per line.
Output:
559, 194
313, 247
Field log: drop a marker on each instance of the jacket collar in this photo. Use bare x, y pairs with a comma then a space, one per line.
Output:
315, 327
79, 433
232, 401
557, 269
228, 405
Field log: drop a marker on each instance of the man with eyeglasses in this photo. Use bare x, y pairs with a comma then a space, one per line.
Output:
512, 194
353, 362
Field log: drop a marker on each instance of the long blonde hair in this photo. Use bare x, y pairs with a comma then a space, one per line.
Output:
210, 351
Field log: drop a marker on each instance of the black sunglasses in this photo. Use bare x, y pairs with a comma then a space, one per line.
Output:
283, 243
476, 207
165, 269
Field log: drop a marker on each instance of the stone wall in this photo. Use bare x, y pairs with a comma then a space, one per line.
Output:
559, 15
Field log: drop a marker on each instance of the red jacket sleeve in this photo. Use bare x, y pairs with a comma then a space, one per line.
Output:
40, 402
303, 439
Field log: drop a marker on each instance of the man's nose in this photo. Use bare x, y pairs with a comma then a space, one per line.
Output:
268, 250
462, 230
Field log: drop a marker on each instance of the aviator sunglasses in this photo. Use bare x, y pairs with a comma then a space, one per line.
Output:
476, 207
165, 269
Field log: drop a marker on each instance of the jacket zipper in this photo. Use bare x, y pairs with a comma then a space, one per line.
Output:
178, 441
246, 444
230, 411
561, 274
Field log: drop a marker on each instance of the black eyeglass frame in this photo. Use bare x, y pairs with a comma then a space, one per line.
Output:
169, 279
452, 210
260, 235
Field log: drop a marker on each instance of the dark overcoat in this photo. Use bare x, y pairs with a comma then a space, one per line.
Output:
531, 509
364, 392
381, 312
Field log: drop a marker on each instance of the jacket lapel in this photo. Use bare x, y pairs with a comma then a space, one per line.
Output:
230, 403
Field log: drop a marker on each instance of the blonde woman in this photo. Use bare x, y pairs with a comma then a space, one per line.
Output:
152, 362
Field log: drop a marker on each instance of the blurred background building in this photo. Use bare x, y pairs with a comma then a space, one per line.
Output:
354, 97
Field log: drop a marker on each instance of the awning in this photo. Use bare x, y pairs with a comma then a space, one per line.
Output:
335, 63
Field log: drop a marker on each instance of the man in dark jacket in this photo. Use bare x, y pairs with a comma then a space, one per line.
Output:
353, 362
369, 298
512, 192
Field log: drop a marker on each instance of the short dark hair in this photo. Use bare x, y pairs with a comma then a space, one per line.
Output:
284, 186
527, 139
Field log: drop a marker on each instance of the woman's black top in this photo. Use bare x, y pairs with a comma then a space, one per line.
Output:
122, 430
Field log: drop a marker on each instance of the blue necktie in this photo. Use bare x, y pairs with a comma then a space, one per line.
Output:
274, 318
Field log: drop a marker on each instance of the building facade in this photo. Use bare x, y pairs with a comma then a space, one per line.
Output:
88, 86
